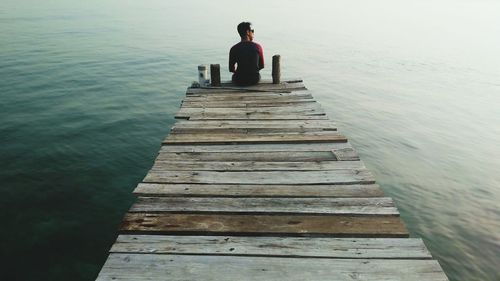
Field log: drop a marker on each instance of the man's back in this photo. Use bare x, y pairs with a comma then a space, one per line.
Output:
246, 58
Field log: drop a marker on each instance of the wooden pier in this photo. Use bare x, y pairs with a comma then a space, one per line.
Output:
256, 183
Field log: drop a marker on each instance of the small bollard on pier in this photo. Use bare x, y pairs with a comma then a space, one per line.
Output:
215, 75
276, 72
202, 75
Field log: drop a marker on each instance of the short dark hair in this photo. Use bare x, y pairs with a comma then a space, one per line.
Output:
243, 28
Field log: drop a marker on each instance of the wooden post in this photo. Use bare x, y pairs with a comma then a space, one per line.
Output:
276, 69
202, 74
215, 74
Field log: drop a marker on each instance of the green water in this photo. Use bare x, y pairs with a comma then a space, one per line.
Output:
88, 90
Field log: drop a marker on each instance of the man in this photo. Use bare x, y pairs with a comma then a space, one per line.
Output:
246, 58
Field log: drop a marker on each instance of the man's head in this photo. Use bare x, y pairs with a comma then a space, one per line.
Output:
245, 30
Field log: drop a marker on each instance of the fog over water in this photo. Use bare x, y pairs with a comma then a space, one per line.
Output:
88, 89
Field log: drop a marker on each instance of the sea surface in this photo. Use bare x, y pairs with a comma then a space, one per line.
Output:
88, 89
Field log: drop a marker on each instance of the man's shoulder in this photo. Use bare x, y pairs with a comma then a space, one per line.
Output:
246, 45
258, 45
236, 45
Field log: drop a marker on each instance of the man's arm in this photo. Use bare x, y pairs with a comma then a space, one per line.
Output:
261, 57
232, 61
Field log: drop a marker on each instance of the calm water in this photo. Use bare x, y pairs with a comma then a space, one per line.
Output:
88, 90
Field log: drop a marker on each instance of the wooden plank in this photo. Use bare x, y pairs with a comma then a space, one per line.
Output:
162, 165
298, 108
309, 134
241, 91
246, 97
270, 225
270, 133
248, 103
249, 131
236, 89
326, 136
122, 267
239, 190
288, 81
262, 87
230, 113
318, 206
245, 104
317, 247
242, 95
278, 147
281, 156
252, 116
257, 152
305, 108
255, 124
355, 176
294, 105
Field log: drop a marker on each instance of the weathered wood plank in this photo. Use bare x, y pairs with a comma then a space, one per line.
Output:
256, 124
275, 124
239, 190
278, 147
121, 267
280, 225
258, 152
282, 137
253, 116
303, 108
250, 113
239, 90
317, 247
262, 86
285, 82
355, 176
246, 97
247, 131
242, 95
294, 106
239, 102
282, 156
162, 165
318, 206
309, 134
265, 85
245, 104
252, 127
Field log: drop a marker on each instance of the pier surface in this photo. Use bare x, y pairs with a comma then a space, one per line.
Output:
256, 183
